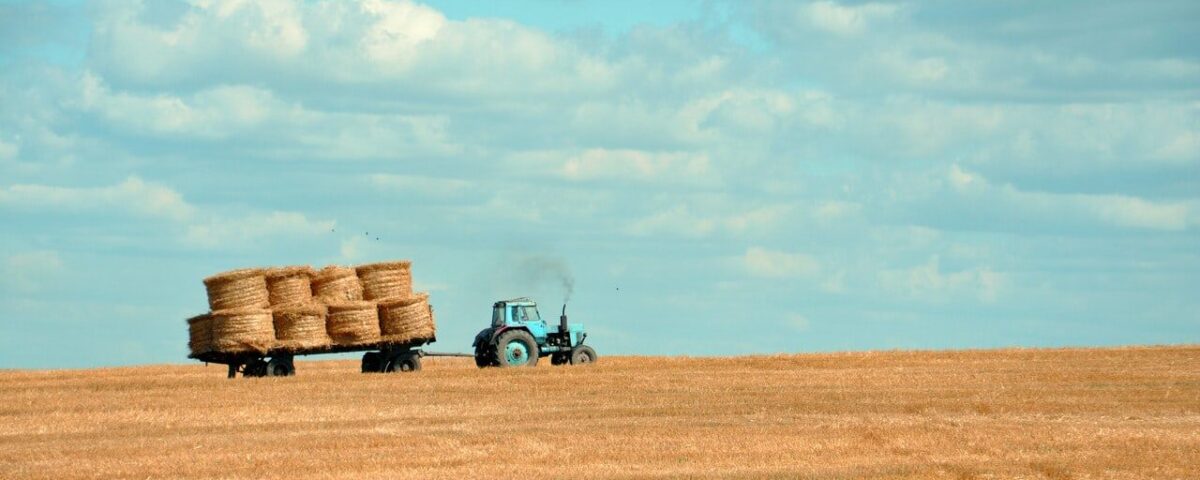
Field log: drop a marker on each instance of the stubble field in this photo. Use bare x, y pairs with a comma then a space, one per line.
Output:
1070, 413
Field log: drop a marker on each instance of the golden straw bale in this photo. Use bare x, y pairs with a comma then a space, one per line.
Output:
289, 285
386, 279
237, 289
406, 319
353, 323
242, 330
337, 284
200, 334
300, 326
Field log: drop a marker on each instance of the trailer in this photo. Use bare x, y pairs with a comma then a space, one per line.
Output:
377, 357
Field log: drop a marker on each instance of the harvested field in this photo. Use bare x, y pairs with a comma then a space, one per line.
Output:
1057, 414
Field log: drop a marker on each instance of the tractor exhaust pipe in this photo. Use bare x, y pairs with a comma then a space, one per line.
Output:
562, 320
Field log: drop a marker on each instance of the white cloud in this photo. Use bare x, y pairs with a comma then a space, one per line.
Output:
1114, 210
1185, 147
136, 197
677, 220
8, 151
133, 196
216, 112
929, 282
765, 263
680, 220
422, 186
30, 271
352, 248
393, 44
637, 166
846, 20
245, 230
797, 322
399, 30
831, 210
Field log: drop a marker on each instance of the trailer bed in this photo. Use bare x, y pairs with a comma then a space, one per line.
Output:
242, 361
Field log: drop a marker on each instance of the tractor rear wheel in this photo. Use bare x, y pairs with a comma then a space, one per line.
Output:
583, 355
484, 357
516, 348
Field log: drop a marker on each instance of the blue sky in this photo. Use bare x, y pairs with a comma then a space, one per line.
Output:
718, 177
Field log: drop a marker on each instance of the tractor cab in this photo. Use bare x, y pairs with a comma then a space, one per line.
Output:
518, 336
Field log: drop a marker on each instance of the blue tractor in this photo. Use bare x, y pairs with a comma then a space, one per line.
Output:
518, 337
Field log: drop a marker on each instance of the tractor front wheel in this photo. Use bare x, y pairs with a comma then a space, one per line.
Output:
516, 348
583, 355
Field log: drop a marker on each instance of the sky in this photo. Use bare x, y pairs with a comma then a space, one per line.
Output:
716, 178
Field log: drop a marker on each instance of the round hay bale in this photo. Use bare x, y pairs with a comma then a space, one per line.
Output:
237, 289
406, 319
200, 334
289, 285
242, 330
353, 323
337, 284
386, 279
300, 327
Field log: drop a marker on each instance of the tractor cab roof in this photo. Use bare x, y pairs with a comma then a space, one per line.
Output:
520, 302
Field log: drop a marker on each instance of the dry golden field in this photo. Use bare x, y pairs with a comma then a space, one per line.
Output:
1073, 413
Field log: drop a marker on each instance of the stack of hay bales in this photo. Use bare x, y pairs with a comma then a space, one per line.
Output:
406, 319
300, 327
336, 284
239, 321
297, 309
289, 285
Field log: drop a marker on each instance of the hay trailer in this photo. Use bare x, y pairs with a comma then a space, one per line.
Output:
378, 357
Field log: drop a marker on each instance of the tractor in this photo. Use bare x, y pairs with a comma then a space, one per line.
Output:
518, 337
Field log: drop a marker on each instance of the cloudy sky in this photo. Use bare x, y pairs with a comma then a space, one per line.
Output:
717, 177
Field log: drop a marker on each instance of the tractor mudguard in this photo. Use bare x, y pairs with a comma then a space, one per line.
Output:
484, 337
497, 331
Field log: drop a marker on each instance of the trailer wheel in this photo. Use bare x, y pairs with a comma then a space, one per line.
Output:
371, 362
560, 358
255, 368
279, 367
583, 355
516, 348
409, 362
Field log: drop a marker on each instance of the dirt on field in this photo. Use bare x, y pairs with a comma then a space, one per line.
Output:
1058, 414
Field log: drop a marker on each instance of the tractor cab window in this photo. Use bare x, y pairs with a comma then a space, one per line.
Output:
530, 314
516, 314
498, 317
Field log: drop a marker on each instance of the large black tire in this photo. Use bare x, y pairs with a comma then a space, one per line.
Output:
372, 362
405, 362
255, 368
508, 355
583, 355
560, 358
484, 357
280, 367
